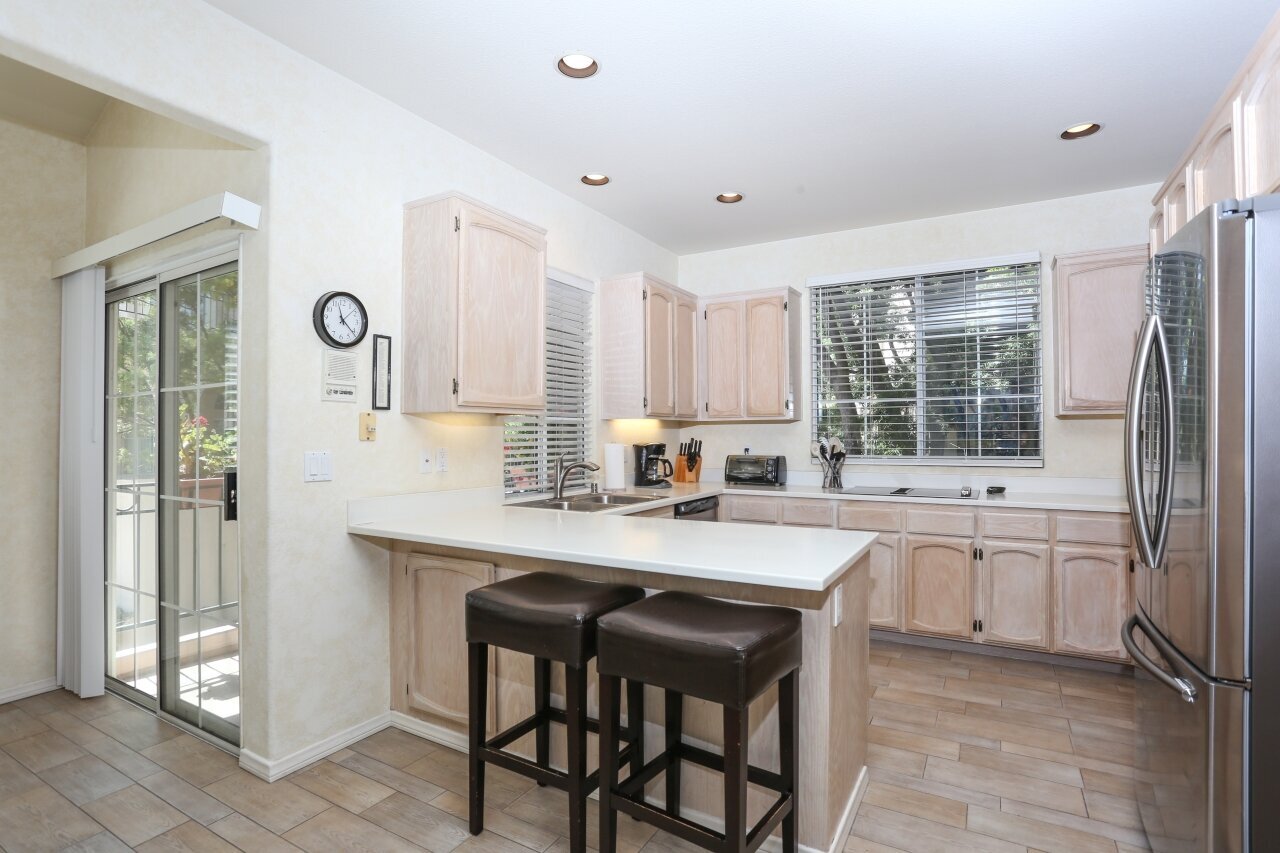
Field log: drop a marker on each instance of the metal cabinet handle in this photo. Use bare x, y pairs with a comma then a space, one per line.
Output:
1179, 685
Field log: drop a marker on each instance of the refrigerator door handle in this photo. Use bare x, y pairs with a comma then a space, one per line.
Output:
1133, 442
1177, 684
1168, 444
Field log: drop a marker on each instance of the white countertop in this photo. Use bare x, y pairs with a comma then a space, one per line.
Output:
805, 558
787, 557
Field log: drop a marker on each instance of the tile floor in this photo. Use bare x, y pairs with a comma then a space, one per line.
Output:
968, 753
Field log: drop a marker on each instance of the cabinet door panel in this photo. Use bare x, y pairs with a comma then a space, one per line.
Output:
725, 350
686, 358
938, 585
886, 581
1020, 525
1015, 593
659, 351
867, 516
437, 633
1099, 304
1091, 600
501, 314
1095, 527
943, 522
766, 377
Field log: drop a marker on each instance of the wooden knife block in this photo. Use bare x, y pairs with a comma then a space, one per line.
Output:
683, 474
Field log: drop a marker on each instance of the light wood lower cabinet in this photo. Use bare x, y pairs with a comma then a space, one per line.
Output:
1091, 600
886, 582
1014, 593
429, 642
937, 578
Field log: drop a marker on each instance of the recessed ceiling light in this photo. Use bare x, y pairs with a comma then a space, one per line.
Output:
1079, 131
577, 65
595, 180
729, 198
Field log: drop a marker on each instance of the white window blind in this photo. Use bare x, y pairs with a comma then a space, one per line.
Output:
532, 442
943, 368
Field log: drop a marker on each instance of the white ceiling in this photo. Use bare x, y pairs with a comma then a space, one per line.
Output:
45, 102
826, 115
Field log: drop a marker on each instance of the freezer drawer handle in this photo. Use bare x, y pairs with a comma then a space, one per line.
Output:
1180, 686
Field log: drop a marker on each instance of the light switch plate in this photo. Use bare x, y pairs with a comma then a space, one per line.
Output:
317, 466
442, 460
368, 426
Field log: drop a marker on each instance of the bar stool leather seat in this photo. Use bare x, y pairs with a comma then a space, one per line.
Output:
544, 615
714, 650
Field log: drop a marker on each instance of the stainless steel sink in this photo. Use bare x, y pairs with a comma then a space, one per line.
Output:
586, 503
614, 500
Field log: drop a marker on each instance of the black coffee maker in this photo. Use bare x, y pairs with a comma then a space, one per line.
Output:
651, 467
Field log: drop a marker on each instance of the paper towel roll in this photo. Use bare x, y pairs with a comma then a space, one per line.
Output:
615, 466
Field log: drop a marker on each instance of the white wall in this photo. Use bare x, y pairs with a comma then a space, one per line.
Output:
1073, 448
41, 218
342, 162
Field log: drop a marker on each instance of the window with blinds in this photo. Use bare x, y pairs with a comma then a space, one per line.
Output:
943, 368
531, 443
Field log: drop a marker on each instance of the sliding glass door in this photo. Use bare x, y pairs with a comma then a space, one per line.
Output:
173, 551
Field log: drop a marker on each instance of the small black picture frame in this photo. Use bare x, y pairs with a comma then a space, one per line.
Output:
381, 372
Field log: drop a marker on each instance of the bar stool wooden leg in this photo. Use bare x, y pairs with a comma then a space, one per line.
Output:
674, 726
635, 723
575, 679
478, 713
789, 751
609, 744
541, 704
735, 779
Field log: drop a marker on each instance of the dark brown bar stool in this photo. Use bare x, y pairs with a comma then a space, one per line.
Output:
721, 652
552, 618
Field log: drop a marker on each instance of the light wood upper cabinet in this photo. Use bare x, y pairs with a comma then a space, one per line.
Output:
474, 307
429, 644
767, 382
886, 582
648, 349
1236, 152
725, 347
750, 356
1014, 593
686, 356
937, 579
660, 352
1098, 299
1091, 600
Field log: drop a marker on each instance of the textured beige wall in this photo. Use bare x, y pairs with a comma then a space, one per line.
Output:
1073, 448
342, 163
143, 165
41, 218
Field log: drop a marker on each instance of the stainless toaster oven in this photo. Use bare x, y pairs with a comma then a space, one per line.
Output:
756, 470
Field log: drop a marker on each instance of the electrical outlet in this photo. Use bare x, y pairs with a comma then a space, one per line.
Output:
424, 461
317, 466
442, 460
837, 606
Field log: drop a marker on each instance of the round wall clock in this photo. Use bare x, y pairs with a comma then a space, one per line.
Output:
340, 319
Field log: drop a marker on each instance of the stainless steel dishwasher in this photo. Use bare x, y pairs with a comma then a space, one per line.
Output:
702, 509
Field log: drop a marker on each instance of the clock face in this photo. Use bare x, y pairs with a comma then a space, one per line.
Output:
340, 319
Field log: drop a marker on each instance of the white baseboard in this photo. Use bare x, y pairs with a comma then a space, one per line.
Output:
281, 767
430, 731
31, 688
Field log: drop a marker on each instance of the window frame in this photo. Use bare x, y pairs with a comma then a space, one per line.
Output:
578, 478
814, 283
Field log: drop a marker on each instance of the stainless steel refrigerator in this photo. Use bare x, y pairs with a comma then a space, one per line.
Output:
1202, 460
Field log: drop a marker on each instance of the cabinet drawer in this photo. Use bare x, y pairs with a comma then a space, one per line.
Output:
1016, 525
943, 522
758, 510
861, 516
1096, 528
660, 512
807, 513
